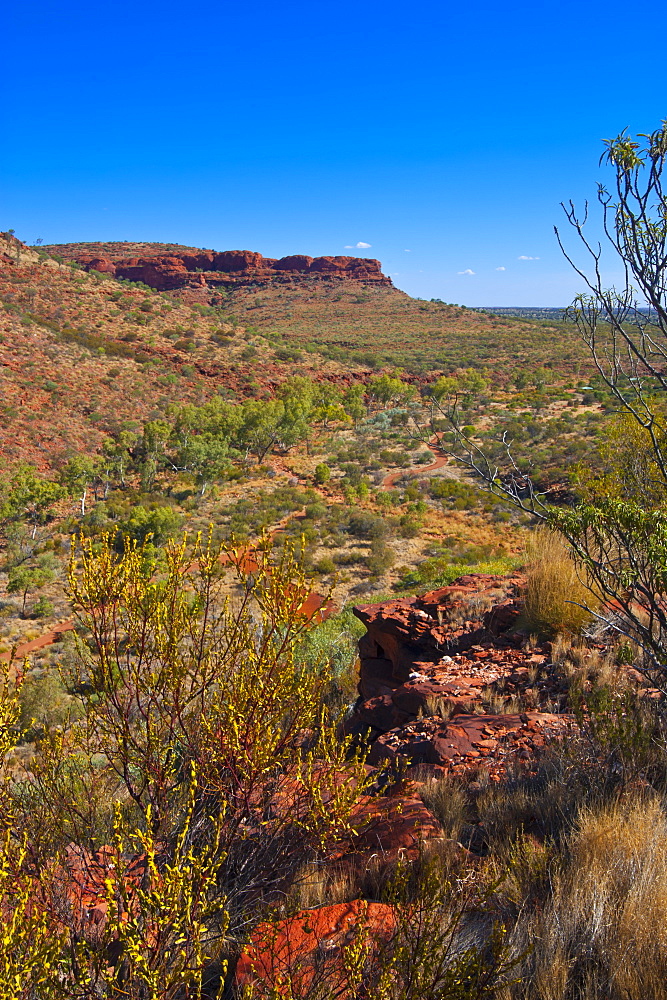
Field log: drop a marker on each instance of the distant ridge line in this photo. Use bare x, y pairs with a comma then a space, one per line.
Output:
525, 312
547, 312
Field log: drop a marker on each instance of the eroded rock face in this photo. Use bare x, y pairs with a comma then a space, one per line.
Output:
292, 957
79, 887
388, 828
167, 269
387, 821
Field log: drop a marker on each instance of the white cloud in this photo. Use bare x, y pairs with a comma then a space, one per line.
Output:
501, 269
467, 271
407, 251
358, 246
523, 257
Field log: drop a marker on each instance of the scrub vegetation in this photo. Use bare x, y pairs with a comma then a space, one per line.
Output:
192, 500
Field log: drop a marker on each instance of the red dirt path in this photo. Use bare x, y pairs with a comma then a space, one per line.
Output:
441, 460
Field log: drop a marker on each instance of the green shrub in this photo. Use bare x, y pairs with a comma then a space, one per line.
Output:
349, 558
315, 511
382, 557
322, 473
161, 523
364, 524
43, 608
408, 527
44, 701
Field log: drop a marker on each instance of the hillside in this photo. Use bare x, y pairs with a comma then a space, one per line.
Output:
177, 410
344, 307
383, 326
81, 354
97, 374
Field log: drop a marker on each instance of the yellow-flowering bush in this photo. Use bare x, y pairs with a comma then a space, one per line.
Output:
201, 759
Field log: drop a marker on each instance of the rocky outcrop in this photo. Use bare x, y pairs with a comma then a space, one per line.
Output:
167, 268
389, 827
430, 664
498, 743
423, 650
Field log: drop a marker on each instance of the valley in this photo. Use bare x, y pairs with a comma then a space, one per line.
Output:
233, 500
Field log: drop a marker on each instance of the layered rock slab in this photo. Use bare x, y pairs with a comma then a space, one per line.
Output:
414, 657
442, 655
464, 743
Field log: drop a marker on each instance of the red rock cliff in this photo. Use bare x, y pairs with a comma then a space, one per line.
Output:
167, 267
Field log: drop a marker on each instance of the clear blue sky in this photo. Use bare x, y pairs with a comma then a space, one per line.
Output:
443, 134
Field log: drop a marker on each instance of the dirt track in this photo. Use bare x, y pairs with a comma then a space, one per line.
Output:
441, 460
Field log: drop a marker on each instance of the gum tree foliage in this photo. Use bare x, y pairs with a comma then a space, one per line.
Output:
389, 390
618, 537
205, 440
77, 476
28, 577
27, 496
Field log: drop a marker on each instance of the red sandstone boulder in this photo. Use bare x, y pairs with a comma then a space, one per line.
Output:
420, 657
297, 262
101, 264
162, 276
503, 617
292, 957
199, 261
390, 827
79, 887
237, 260
331, 263
401, 633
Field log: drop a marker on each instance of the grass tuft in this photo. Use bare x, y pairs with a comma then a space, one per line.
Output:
603, 932
557, 598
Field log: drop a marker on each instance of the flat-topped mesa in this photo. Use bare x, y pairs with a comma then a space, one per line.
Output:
166, 266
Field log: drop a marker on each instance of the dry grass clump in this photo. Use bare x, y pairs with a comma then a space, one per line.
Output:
446, 798
583, 666
557, 597
603, 933
316, 885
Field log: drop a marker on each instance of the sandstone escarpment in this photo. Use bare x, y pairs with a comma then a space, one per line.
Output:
167, 267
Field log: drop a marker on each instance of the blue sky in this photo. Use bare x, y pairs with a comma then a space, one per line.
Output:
443, 135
